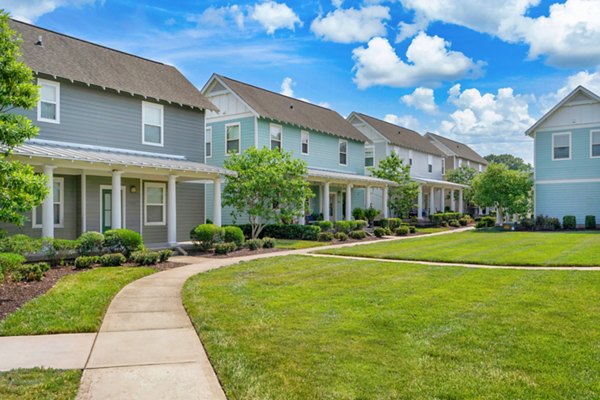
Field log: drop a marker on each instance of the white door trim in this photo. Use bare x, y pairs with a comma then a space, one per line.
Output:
123, 199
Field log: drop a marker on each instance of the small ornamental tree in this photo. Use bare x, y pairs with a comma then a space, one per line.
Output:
22, 189
269, 185
463, 175
401, 198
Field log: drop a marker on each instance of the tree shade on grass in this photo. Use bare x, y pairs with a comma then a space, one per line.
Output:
490, 247
38, 383
76, 304
302, 327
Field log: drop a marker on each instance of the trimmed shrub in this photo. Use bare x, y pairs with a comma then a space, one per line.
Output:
379, 232
391, 223
454, 223
370, 214
487, 222
412, 229
254, 244
123, 241
341, 236
268, 243
20, 244
402, 231
233, 234
225, 248
8, 263
325, 226
145, 257
164, 255
360, 224
545, 223
325, 237
388, 232
285, 231
358, 213
569, 222
112, 260
345, 226
590, 222
30, 272
358, 235
205, 236
83, 262
90, 242
463, 221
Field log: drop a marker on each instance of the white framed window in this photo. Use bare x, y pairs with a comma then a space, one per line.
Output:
276, 134
48, 109
480, 167
152, 124
468, 163
595, 144
443, 165
430, 164
155, 203
59, 206
304, 142
343, 150
208, 141
232, 135
410, 157
369, 156
460, 162
561, 146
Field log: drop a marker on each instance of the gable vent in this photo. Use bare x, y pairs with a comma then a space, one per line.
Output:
40, 41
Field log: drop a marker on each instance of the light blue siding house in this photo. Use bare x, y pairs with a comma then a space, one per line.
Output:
333, 149
567, 157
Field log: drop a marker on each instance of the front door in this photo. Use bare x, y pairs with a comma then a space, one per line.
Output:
332, 206
106, 208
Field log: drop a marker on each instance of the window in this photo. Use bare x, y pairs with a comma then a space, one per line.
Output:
460, 162
430, 164
304, 139
59, 209
49, 103
343, 146
208, 141
152, 121
154, 197
561, 146
232, 144
443, 166
468, 163
368, 156
275, 131
480, 167
410, 157
595, 143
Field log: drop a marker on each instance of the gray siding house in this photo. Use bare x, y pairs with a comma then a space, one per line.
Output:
121, 141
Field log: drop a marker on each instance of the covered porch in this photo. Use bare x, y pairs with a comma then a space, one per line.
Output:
438, 196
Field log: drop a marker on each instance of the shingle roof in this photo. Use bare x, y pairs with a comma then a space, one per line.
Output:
78, 60
460, 149
287, 109
400, 136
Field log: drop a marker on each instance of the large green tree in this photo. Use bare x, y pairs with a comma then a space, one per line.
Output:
22, 189
512, 162
401, 198
269, 185
507, 190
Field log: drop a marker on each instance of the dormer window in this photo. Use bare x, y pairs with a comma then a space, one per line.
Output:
152, 124
49, 103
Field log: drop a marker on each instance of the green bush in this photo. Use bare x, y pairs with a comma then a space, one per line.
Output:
164, 255
268, 243
112, 260
8, 263
341, 236
20, 244
379, 232
488, 221
254, 244
370, 214
361, 224
391, 223
123, 241
358, 213
145, 257
83, 262
412, 229
358, 235
402, 231
225, 247
30, 272
590, 222
233, 234
285, 231
569, 222
325, 237
463, 221
388, 232
325, 226
345, 226
205, 236
454, 223
545, 223
90, 242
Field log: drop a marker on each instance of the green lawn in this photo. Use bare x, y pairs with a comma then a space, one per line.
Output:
77, 303
37, 383
300, 328
297, 244
428, 231
490, 247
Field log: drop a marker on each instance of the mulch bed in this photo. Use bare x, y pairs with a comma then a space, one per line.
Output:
14, 294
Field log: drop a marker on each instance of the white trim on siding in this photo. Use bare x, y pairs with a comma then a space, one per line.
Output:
239, 125
591, 142
570, 146
123, 206
163, 204
61, 202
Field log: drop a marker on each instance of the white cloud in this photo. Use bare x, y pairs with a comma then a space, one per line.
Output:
273, 16
31, 10
429, 61
589, 80
220, 17
287, 89
406, 121
337, 3
352, 25
422, 99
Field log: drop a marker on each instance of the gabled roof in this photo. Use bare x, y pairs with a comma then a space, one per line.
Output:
77, 60
275, 106
400, 136
458, 148
578, 90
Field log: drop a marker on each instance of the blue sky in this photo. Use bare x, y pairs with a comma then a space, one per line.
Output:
478, 71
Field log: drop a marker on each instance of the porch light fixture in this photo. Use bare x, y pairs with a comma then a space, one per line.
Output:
133, 189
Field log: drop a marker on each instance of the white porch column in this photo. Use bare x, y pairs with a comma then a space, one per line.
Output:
499, 216
452, 201
386, 213
431, 201
420, 203
460, 201
116, 200
48, 204
442, 200
325, 201
172, 210
368, 197
302, 219
348, 202
321, 202
83, 202
217, 202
